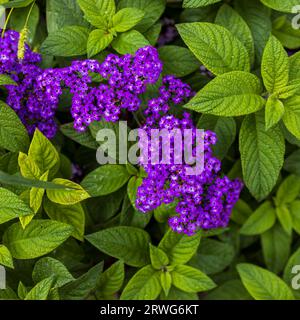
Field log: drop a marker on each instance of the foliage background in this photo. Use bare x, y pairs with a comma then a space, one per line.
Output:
68, 245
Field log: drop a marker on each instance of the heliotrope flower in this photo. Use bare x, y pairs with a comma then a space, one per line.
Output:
204, 200
28, 98
37, 95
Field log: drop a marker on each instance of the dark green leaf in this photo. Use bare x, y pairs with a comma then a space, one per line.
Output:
262, 155
66, 42
170, 55
105, 180
276, 248
127, 243
13, 135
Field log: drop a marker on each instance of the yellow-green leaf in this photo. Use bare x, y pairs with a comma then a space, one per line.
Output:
43, 153
67, 197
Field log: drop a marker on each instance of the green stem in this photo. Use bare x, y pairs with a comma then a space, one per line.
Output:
136, 119
6, 22
29, 13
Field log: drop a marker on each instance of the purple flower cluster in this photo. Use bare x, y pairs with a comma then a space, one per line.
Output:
27, 99
37, 94
204, 200
126, 78
8, 54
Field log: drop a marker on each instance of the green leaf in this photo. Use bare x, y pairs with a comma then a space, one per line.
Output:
17, 3
105, 180
11, 206
216, 47
274, 111
295, 214
129, 42
28, 168
61, 13
40, 237
288, 275
288, 191
275, 66
263, 284
132, 170
285, 218
291, 117
82, 287
262, 219
110, 205
13, 135
5, 80
153, 10
9, 163
98, 40
229, 290
132, 217
127, 243
241, 212
198, 3
22, 291
288, 36
292, 163
74, 195
212, 256
132, 188
166, 282
43, 153
111, 280
276, 248
257, 16
41, 290
190, 279
262, 155
179, 247
98, 12
279, 5
164, 211
5, 257
294, 61
127, 18
159, 258
37, 194
67, 42
50, 267
8, 294
84, 138
231, 20
177, 294
69, 214
144, 285
225, 129
152, 34
291, 89
232, 94
170, 55
93, 13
